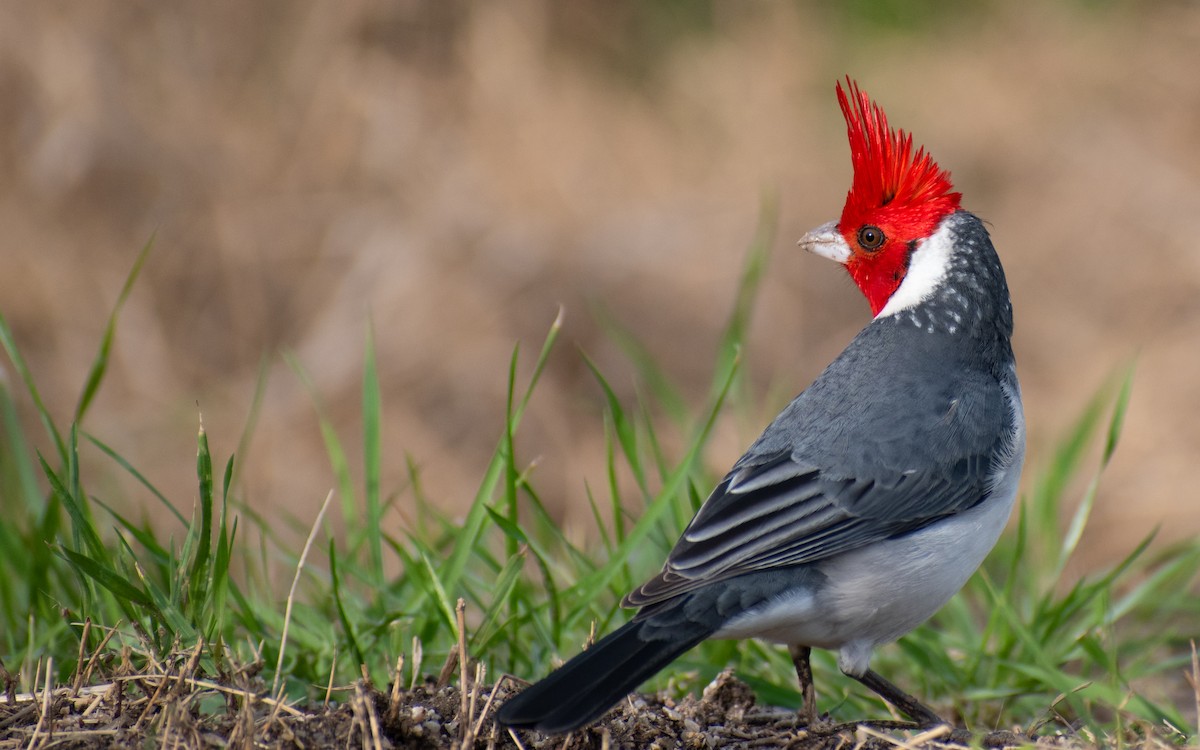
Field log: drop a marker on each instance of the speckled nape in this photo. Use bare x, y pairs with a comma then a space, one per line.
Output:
954, 281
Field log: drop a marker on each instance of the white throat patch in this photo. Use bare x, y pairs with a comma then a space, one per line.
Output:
926, 270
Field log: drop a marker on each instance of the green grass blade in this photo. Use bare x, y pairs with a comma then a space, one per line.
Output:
1080, 518
333, 447
169, 620
501, 590
106, 577
133, 472
14, 355
625, 428
438, 592
339, 605
372, 408
83, 530
1118, 417
198, 573
664, 392
477, 516
100, 363
253, 412
590, 587
19, 469
1051, 487
509, 450
753, 268
226, 536
159, 555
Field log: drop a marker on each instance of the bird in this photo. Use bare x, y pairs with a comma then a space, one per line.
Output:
877, 492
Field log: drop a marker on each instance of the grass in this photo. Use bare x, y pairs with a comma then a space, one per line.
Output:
1022, 645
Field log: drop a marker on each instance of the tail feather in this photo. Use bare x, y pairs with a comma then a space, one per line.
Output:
584, 688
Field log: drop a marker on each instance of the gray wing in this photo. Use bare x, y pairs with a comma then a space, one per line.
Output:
793, 501
780, 512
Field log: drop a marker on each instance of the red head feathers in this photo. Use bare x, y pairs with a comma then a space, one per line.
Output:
896, 197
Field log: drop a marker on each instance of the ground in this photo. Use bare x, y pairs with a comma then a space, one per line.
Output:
183, 712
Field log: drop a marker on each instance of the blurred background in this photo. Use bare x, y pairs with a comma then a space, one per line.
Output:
452, 172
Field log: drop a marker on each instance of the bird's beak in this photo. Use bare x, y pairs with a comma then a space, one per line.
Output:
826, 241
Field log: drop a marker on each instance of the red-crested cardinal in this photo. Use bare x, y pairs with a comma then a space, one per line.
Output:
875, 495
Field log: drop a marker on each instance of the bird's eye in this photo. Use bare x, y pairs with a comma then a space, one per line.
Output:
871, 237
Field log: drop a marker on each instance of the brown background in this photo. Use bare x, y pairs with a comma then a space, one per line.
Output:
454, 171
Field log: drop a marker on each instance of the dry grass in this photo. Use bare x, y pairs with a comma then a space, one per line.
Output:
166, 704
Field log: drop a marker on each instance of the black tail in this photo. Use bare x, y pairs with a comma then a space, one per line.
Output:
581, 690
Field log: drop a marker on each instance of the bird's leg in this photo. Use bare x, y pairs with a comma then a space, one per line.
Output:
800, 655
908, 705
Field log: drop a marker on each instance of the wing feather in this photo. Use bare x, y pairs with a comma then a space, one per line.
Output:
778, 511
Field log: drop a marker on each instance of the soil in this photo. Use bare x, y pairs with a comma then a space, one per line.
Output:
170, 711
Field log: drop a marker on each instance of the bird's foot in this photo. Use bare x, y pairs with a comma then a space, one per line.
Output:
922, 715
807, 716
